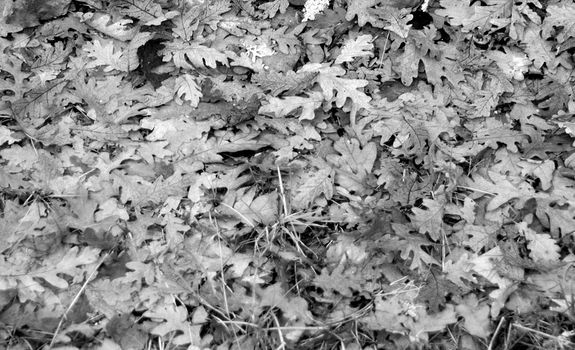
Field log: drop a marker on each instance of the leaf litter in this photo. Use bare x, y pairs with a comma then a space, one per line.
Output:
287, 174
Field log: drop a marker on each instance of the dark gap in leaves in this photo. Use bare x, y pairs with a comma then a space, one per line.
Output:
462, 135
504, 108
79, 6
515, 125
420, 19
500, 235
535, 182
556, 205
500, 37
55, 40
533, 76
136, 119
138, 314
359, 301
7, 76
419, 204
245, 153
451, 219
389, 143
150, 59
481, 40
406, 209
443, 36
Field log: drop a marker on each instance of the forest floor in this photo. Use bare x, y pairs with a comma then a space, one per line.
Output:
287, 174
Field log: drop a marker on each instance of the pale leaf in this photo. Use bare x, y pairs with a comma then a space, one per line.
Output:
330, 81
357, 47
188, 90
189, 55
502, 188
430, 220
476, 315
175, 318
542, 247
313, 184
290, 104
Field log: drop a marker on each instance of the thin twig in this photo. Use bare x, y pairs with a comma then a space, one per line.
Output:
494, 336
76, 298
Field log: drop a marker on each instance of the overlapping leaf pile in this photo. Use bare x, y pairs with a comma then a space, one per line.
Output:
267, 174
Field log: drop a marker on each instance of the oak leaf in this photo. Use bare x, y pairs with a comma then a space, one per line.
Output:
193, 55
358, 47
502, 188
330, 80
542, 248
281, 107
313, 184
430, 220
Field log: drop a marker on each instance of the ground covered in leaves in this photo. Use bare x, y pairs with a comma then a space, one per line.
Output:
249, 174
